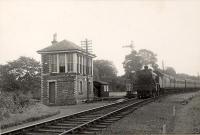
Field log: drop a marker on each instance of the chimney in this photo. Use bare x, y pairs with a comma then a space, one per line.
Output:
54, 39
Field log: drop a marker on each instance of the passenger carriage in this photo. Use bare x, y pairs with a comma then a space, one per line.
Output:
157, 82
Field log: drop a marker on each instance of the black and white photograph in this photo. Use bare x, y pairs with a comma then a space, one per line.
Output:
103, 67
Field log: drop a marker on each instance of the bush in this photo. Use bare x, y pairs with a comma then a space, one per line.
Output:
6, 105
13, 103
17, 108
21, 100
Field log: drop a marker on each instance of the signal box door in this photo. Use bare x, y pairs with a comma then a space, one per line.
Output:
52, 92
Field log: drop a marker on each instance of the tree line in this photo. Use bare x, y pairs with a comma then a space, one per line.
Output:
106, 71
24, 74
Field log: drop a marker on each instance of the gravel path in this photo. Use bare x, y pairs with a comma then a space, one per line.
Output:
172, 114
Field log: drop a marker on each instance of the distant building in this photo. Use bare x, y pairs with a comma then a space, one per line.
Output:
64, 73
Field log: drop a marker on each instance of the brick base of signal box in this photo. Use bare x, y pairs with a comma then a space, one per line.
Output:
67, 89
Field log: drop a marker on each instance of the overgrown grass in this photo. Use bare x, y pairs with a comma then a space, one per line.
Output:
16, 109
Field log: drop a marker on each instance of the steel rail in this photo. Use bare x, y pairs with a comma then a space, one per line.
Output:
61, 118
96, 120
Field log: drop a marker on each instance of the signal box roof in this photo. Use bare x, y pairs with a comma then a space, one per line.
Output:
63, 46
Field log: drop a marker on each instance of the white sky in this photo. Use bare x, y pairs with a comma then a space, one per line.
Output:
171, 29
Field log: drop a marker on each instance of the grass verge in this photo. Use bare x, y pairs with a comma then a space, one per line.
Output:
34, 112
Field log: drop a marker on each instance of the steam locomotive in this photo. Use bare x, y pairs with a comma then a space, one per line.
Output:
147, 83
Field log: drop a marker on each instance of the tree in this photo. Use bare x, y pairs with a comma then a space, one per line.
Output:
148, 58
24, 67
170, 71
104, 70
119, 83
8, 81
96, 73
22, 74
132, 62
136, 60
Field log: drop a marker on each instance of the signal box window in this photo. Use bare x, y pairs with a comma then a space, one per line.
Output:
54, 63
62, 63
70, 62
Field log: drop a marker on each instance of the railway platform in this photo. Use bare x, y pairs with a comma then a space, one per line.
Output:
64, 111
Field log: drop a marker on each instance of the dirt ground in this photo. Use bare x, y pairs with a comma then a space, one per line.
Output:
178, 114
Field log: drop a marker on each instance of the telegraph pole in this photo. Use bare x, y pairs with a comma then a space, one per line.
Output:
128, 81
163, 67
86, 45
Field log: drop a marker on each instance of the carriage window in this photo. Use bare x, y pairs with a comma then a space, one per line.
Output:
62, 63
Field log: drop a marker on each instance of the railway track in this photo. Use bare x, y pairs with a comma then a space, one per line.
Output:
86, 122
